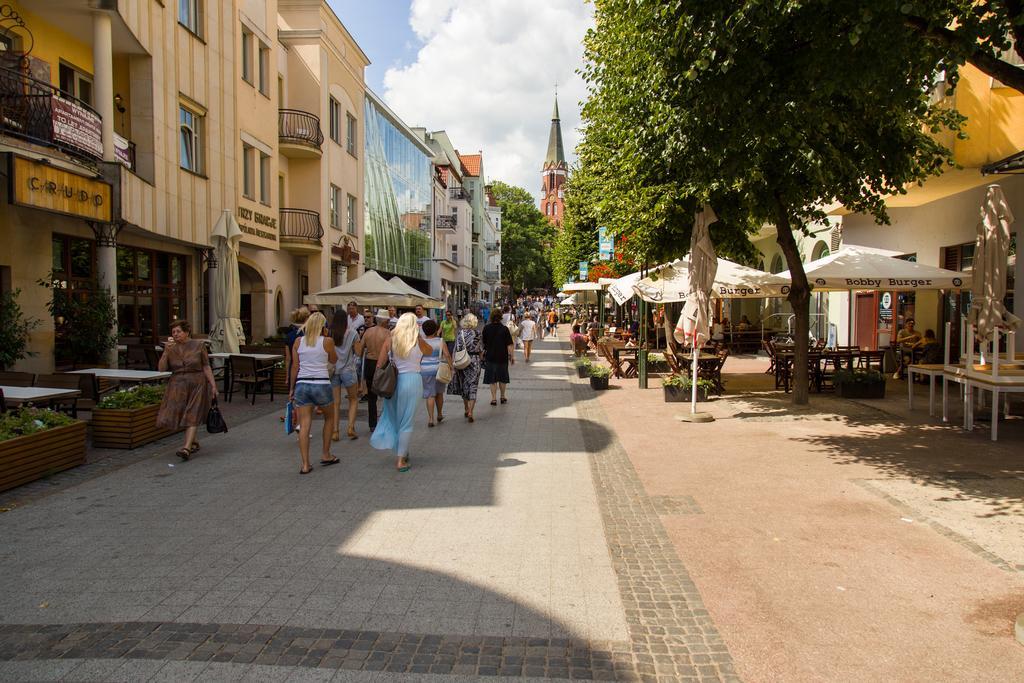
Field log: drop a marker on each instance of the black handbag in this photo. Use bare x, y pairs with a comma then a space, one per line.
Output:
385, 379
215, 423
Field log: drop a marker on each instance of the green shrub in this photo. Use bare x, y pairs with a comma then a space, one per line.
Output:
30, 421
683, 382
857, 376
582, 362
15, 328
600, 371
139, 396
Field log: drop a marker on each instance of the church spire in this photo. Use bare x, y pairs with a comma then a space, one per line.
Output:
556, 153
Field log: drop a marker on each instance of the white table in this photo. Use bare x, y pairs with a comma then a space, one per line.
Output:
135, 376
123, 348
19, 395
925, 370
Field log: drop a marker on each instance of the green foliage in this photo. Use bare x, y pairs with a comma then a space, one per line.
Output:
15, 328
526, 235
684, 382
30, 421
139, 396
600, 371
857, 376
85, 323
582, 362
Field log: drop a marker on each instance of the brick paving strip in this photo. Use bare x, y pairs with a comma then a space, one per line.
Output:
672, 636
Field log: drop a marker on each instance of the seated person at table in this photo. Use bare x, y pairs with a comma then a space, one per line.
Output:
906, 339
907, 334
928, 349
744, 324
578, 341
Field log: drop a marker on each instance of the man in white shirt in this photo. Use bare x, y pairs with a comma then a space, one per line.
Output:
421, 316
355, 318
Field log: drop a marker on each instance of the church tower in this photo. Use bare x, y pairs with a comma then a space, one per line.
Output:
553, 173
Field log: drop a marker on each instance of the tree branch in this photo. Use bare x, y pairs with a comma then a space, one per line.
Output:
1012, 76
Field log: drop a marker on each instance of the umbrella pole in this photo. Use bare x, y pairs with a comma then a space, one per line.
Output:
641, 352
600, 313
693, 384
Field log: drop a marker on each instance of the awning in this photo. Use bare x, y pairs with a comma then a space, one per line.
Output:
859, 268
732, 281
369, 289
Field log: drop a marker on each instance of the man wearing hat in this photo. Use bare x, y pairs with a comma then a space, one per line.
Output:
373, 340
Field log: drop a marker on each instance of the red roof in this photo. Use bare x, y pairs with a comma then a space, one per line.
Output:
472, 163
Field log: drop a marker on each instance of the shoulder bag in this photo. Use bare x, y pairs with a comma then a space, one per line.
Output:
385, 379
461, 359
215, 423
444, 372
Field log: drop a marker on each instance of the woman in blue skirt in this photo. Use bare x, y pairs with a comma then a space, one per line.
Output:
405, 348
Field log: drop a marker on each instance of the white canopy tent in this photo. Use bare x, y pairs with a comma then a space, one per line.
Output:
671, 284
369, 289
571, 287
422, 299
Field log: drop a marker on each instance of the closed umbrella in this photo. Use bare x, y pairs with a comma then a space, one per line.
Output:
695, 320
991, 253
227, 334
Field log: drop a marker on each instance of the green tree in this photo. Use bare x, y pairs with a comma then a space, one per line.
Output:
767, 109
525, 235
15, 328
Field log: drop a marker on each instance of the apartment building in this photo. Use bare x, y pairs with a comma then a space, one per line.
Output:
129, 128
486, 277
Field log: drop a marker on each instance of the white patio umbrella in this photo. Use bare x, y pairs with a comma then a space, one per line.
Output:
422, 299
695, 320
227, 334
369, 289
991, 252
671, 283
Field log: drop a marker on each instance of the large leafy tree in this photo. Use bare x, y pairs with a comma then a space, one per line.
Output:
769, 110
524, 234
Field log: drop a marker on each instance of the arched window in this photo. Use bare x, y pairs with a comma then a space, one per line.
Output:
279, 309
821, 250
777, 265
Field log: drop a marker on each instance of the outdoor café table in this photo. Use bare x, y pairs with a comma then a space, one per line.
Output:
124, 376
931, 371
261, 358
19, 395
784, 369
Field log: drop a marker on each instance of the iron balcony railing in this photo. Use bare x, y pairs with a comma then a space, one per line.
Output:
460, 193
36, 111
299, 127
492, 246
446, 222
301, 224
491, 275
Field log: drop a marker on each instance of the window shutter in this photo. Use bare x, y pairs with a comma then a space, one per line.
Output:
835, 238
951, 258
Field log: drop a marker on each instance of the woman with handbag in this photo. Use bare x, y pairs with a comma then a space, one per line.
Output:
399, 361
433, 382
314, 356
186, 401
466, 364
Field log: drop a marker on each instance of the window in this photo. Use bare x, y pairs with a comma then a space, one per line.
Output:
350, 214
777, 266
247, 40
75, 83
335, 112
248, 171
350, 133
191, 132
188, 15
455, 254
335, 206
264, 69
265, 178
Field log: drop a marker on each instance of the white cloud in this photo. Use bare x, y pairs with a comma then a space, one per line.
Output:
486, 74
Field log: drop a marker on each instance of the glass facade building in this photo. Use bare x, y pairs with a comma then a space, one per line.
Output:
398, 198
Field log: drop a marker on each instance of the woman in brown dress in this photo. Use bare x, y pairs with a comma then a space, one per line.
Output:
187, 399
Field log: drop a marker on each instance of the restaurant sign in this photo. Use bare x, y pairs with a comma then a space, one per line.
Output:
76, 126
257, 224
46, 187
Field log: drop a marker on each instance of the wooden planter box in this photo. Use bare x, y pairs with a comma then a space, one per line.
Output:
680, 395
32, 457
126, 428
861, 389
281, 381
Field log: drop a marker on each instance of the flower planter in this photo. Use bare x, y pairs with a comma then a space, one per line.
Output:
281, 381
861, 389
32, 457
126, 428
583, 372
681, 395
599, 383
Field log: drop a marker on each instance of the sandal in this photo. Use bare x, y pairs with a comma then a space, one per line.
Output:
194, 448
470, 418
440, 418
352, 434
335, 436
327, 463
184, 453
504, 401
405, 467
306, 471
494, 403
430, 424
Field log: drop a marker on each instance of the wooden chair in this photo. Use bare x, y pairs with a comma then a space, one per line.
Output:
69, 406
769, 348
152, 357
17, 379
251, 375
675, 364
135, 356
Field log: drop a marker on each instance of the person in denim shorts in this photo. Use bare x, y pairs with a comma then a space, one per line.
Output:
311, 386
346, 371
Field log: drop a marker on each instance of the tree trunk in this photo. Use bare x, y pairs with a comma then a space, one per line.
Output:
799, 298
1012, 76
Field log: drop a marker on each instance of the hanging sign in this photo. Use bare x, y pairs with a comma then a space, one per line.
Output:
583, 271
605, 244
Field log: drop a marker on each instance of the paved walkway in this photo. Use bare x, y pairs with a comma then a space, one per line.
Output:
521, 546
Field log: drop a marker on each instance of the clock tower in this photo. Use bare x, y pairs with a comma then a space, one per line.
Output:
553, 173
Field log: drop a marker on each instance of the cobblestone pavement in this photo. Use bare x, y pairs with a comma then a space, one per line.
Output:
522, 546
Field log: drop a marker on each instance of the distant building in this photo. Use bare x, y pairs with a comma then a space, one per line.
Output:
553, 173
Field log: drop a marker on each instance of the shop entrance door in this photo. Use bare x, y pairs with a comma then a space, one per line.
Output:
867, 320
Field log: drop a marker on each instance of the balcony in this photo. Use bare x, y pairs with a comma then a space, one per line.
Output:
492, 246
299, 134
446, 223
301, 232
492, 276
39, 113
460, 193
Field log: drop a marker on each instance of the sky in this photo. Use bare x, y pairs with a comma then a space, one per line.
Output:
483, 70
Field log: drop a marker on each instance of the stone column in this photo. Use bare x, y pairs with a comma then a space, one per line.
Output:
106, 272
103, 79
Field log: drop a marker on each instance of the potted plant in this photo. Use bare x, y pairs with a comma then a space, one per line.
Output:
35, 443
15, 328
859, 383
656, 362
85, 326
679, 388
582, 366
599, 377
127, 418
